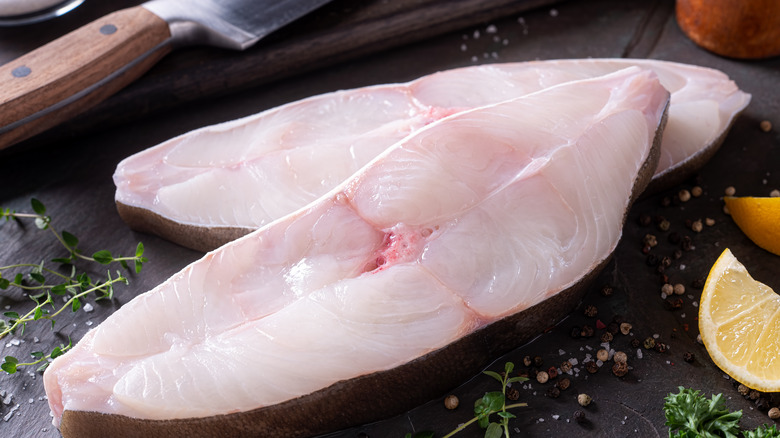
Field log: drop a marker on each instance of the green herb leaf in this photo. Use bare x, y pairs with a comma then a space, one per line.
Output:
690, 412
38, 314
493, 431
70, 239
139, 250
9, 365
4, 283
18, 279
762, 432
494, 375
12, 315
39, 278
494, 400
38, 206
76, 304
62, 260
103, 257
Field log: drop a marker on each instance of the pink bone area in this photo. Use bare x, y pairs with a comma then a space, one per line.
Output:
401, 244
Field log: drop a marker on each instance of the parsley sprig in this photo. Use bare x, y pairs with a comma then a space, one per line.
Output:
43, 284
691, 415
493, 402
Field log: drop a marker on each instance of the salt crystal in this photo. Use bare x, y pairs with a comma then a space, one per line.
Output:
496, 38
476, 35
521, 20
573, 361
541, 420
36, 340
695, 304
599, 363
663, 296
88, 323
463, 47
682, 267
491, 29
88, 307
505, 42
682, 315
31, 401
656, 336
474, 59
553, 12
638, 353
7, 400
555, 416
561, 352
10, 413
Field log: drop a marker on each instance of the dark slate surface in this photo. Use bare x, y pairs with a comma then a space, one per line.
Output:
71, 174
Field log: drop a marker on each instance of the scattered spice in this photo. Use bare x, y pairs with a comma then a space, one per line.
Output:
620, 357
553, 392
666, 261
645, 220
563, 384
677, 254
591, 311
584, 399
754, 395
613, 328
697, 191
625, 328
635, 343
687, 243
667, 289
709, 221
649, 343
451, 402
591, 367
679, 289
774, 413
674, 237
512, 394
684, 195
602, 355
688, 357
774, 193
527, 361
765, 125
620, 369
606, 337
673, 303
579, 416
606, 290
542, 377
697, 226
575, 332
552, 372
661, 347
698, 283
538, 361
730, 191
650, 240
664, 225
762, 404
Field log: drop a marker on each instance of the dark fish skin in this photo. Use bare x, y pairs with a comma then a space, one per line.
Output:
374, 396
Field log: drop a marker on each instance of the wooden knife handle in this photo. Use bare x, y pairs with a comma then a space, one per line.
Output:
68, 75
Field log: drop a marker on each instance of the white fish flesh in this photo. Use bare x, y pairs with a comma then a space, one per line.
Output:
252, 171
458, 241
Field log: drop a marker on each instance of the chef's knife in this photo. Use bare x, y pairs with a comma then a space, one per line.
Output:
65, 77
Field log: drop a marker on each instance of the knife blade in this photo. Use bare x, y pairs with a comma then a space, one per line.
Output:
82, 68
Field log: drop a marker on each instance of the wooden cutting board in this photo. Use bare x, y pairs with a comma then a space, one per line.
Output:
337, 32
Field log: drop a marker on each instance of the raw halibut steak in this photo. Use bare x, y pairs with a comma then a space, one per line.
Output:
254, 170
444, 252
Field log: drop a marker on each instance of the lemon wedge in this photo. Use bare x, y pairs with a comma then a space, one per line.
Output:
758, 218
739, 322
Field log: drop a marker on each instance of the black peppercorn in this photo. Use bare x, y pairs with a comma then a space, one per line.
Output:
677, 254
554, 392
591, 366
645, 219
606, 337
673, 303
606, 290
620, 369
652, 260
762, 404
579, 416
587, 331
563, 384
575, 332
552, 372
613, 328
666, 262
591, 311
635, 343
527, 361
698, 283
661, 347
666, 201
687, 243
537, 361
512, 394
688, 357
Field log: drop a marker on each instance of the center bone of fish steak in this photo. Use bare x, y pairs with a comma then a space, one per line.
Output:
473, 218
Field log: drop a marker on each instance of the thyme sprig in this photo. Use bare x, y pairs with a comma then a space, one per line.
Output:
43, 284
493, 402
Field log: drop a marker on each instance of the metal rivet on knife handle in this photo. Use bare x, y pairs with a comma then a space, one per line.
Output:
21, 71
108, 29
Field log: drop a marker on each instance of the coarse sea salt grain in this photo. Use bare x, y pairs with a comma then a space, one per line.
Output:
11, 413
561, 352
491, 29
638, 353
